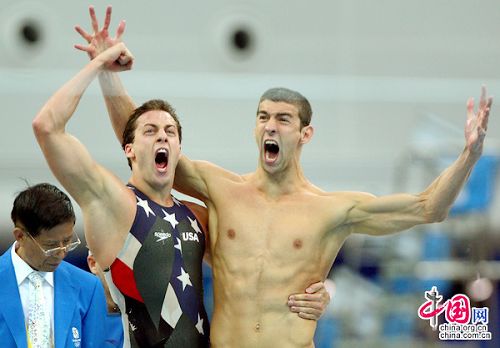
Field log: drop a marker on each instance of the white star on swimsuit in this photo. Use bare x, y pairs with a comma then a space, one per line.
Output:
170, 218
178, 245
184, 278
194, 225
145, 205
199, 325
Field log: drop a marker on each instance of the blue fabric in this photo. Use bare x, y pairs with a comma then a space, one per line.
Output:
79, 307
114, 330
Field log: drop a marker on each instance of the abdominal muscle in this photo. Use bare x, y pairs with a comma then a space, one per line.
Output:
250, 309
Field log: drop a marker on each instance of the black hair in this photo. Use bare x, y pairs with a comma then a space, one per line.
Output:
42, 206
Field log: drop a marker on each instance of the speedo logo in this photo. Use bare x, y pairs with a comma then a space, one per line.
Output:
162, 236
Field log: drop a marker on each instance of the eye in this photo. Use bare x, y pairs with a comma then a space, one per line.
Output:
148, 131
262, 117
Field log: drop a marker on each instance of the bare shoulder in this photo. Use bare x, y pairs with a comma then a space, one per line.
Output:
211, 171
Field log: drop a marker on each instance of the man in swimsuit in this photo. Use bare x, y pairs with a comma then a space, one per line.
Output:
272, 232
152, 243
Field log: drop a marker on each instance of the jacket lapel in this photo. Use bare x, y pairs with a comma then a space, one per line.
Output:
11, 308
65, 298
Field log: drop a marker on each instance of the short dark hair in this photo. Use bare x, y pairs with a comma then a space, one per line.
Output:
42, 206
281, 94
153, 104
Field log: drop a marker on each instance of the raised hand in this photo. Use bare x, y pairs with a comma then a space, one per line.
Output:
110, 56
100, 40
477, 123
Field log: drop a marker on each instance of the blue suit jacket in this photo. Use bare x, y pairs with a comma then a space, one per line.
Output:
79, 308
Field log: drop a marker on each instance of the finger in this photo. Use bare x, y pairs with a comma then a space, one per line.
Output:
128, 66
83, 33
107, 19
308, 316
305, 297
82, 48
470, 108
124, 59
315, 288
120, 30
306, 305
482, 99
93, 19
484, 119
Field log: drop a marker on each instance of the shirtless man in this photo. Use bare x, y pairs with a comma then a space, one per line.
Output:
152, 243
272, 232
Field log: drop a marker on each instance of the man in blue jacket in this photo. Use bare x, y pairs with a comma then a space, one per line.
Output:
72, 301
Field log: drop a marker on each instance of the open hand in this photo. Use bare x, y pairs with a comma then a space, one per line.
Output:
311, 304
100, 40
477, 123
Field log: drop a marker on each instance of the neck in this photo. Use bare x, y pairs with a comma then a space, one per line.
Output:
160, 194
280, 183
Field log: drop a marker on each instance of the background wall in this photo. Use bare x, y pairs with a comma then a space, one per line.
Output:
388, 81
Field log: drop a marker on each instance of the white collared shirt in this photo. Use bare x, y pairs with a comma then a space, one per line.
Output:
22, 270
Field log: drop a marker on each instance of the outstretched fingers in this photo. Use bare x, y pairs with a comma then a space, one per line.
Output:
120, 30
86, 36
93, 19
470, 109
107, 19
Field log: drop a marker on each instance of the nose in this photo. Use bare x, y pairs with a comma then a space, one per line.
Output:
270, 127
162, 136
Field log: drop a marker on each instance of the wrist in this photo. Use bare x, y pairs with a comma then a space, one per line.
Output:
471, 156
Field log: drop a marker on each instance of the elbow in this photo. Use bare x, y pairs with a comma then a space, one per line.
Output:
437, 215
433, 211
41, 128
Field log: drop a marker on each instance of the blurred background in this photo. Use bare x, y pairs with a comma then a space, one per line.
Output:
388, 82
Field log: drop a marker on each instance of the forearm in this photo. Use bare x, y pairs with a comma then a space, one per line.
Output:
60, 107
119, 104
441, 194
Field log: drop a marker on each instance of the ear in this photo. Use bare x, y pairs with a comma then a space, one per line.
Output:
92, 264
129, 151
18, 234
306, 134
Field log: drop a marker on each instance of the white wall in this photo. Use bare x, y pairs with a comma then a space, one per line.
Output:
377, 73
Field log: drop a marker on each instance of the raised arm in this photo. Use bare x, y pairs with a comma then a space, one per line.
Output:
99, 193
119, 104
66, 156
395, 213
188, 178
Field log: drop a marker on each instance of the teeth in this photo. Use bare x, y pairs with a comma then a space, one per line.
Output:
162, 151
270, 142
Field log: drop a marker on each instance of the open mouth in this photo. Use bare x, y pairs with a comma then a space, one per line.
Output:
161, 159
271, 150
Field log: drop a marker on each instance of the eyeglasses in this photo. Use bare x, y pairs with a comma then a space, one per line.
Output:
54, 251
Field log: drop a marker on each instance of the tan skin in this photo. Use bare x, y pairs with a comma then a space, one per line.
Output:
97, 270
272, 232
107, 204
30, 252
308, 305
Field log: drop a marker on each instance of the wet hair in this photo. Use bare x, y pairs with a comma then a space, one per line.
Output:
154, 104
41, 207
281, 94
